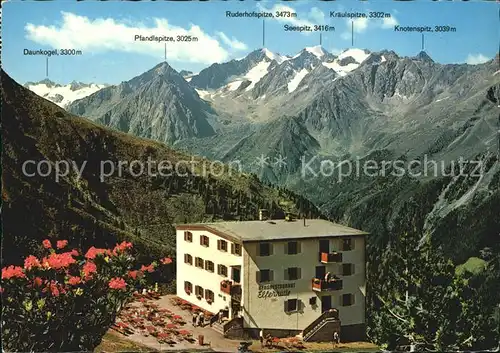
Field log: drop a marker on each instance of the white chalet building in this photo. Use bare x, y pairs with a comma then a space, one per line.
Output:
278, 275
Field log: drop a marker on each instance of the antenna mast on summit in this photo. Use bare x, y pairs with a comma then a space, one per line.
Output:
165, 52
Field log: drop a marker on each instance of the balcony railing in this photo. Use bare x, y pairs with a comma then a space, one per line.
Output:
231, 288
326, 258
225, 287
320, 285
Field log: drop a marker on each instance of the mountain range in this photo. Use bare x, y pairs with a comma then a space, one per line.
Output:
273, 115
63, 95
88, 210
320, 106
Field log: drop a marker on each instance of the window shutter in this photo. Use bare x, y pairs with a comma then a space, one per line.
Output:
299, 247
270, 248
286, 306
257, 276
353, 267
287, 250
285, 275
218, 244
271, 275
299, 273
232, 248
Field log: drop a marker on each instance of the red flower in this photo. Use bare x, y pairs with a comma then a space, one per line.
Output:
74, 280
30, 262
37, 282
166, 261
46, 244
53, 289
117, 283
122, 247
74, 252
93, 252
58, 261
61, 244
149, 268
88, 269
12, 271
134, 274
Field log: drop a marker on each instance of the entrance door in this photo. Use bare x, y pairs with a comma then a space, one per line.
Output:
320, 272
326, 303
324, 245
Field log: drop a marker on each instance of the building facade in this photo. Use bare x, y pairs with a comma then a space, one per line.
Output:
277, 275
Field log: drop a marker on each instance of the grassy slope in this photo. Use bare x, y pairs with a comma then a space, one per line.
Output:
90, 212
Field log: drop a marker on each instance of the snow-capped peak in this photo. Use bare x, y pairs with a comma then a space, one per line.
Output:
273, 56
316, 50
359, 55
63, 95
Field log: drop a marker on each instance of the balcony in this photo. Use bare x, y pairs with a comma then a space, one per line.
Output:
320, 285
231, 288
334, 257
225, 287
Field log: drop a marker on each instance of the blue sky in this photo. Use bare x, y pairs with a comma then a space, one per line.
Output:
104, 32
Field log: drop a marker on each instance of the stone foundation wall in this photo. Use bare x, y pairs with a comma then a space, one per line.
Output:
253, 333
353, 333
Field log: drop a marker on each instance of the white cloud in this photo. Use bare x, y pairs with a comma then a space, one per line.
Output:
108, 34
389, 22
474, 59
232, 43
317, 15
362, 24
314, 17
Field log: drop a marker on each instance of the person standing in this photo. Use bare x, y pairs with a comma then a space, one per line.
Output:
195, 318
336, 338
261, 338
201, 317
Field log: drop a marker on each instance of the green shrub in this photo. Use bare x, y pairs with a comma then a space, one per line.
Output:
67, 300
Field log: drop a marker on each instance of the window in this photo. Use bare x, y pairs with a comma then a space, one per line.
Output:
198, 291
347, 244
188, 287
222, 245
188, 236
236, 274
188, 259
209, 295
222, 270
292, 274
291, 305
347, 299
199, 262
209, 266
236, 249
264, 276
204, 241
292, 247
347, 269
264, 249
